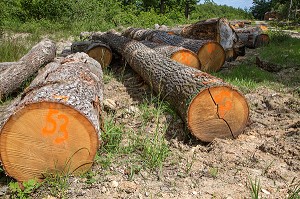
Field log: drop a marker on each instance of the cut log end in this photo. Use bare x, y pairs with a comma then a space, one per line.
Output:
102, 54
47, 137
217, 112
212, 56
187, 57
261, 40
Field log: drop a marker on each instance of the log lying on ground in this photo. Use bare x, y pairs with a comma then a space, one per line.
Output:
95, 49
210, 107
253, 37
211, 54
216, 29
54, 126
179, 54
13, 74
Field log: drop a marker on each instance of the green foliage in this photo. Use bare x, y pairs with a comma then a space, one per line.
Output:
28, 187
294, 193
57, 183
40, 16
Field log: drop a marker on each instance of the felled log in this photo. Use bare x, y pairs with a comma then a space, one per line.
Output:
55, 125
239, 23
179, 54
95, 49
210, 107
253, 37
268, 66
13, 74
210, 53
216, 29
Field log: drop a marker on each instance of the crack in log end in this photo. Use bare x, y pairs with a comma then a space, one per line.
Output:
223, 105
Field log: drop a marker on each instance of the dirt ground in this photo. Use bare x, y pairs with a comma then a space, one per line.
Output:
268, 150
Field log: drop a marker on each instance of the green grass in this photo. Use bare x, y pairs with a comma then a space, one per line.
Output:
282, 50
28, 187
247, 77
254, 188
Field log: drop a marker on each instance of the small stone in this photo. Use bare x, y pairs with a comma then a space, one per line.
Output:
103, 190
110, 105
128, 187
114, 184
194, 193
265, 191
147, 194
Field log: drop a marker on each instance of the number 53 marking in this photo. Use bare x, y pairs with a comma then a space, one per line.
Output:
50, 121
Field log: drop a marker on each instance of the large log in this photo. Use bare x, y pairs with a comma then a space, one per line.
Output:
13, 74
55, 124
216, 29
211, 54
95, 49
210, 107
253, 37
179, 54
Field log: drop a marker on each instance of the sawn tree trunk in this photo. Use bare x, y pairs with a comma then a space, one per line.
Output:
54, 127
210, 107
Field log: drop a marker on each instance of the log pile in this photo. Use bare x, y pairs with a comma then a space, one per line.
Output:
54, 125
253, 37
216, 29
210, 107
210, 53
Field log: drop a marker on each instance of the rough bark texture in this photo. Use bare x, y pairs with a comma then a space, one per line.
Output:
211, 54
13, 74
179, 54
57, 119
95, 49
181, 86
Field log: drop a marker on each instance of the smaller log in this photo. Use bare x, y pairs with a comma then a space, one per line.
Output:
178, 54
54, 127
268, 66
95, 49
253, 37
13, 74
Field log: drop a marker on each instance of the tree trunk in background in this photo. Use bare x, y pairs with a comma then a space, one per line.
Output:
55, 125
179, 54
211, 54
162, 6
13, 74
253, 37
210, 107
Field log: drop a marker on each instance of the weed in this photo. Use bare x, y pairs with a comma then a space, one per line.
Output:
265, 171
89, 177
23, 192
255, 188
294, 191
213, 171
190, 164
57, 183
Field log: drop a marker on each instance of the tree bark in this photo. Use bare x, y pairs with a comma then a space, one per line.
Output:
210, 107
13, 74
95, 49
179, 54
211, 54
253, 37
55, 125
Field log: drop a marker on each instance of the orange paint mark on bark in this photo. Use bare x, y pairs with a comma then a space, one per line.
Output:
223, 99
171, 33
50, 121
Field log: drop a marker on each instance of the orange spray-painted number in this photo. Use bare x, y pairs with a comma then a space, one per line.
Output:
224, 103
50, 121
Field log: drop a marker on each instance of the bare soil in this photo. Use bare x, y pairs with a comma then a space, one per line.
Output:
268, 150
